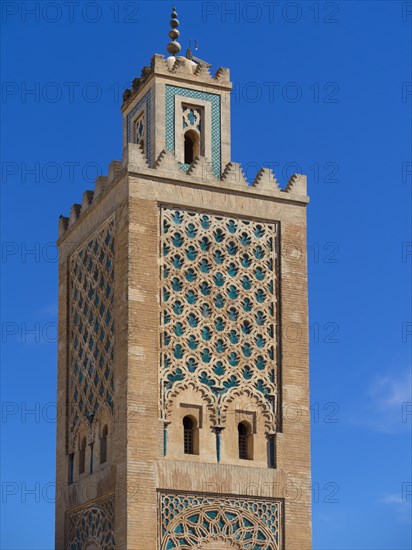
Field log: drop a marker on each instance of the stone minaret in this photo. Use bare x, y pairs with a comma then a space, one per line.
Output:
183, 356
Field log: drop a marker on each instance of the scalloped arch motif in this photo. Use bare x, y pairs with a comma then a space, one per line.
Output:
93, 527
218, 285
91, 295
191, 520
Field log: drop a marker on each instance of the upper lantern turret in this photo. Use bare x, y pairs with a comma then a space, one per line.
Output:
177, 106
176, 127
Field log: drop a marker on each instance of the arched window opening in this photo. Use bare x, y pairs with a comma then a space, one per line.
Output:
71, 469
191, 146
82, 456
190, 436
91, 457
245, 439
103, 444
139, 130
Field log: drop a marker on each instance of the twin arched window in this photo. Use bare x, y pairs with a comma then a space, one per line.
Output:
82, 454
191, 438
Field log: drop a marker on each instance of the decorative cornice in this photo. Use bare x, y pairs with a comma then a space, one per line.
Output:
200, 173
179, 66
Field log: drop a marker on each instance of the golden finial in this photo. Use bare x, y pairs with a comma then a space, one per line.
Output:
174, 47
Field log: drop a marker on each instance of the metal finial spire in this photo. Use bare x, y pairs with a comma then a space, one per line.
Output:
174, 47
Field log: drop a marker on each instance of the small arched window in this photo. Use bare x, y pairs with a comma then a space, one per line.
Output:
71, 469
103, 444
139, 132
91, 457
82, 456
190, 436
245, 439
191, 146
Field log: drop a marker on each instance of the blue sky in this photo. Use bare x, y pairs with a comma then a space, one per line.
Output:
323, 88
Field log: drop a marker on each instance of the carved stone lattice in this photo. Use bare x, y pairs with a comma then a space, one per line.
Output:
192, 117
218, 311
91, 328
93, 527
191, 520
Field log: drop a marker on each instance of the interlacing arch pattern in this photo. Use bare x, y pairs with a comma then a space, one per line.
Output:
218, 308
91, 295
93, 525
189, 520
264, 408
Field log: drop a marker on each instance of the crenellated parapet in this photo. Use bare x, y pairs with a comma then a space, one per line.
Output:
192, 71
199, 174
90, 198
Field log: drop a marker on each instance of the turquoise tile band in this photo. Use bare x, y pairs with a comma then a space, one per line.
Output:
146, 99
214, 99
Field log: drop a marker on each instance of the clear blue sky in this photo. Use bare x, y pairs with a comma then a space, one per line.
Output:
320, 85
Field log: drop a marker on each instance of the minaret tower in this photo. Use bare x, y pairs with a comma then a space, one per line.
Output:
180, 285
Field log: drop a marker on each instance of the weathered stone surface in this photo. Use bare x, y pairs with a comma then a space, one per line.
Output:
144, 474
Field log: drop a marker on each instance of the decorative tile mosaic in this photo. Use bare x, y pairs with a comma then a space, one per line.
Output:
171, 92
